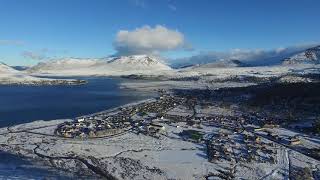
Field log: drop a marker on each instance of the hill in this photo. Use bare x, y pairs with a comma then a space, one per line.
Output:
123, 65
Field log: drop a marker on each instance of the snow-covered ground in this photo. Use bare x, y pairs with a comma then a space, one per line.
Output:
133, 156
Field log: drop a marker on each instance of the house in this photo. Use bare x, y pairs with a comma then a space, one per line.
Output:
83, 135
156, 127
294, 141
80, 120
92, 134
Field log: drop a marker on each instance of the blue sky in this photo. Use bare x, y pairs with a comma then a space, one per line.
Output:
34, 30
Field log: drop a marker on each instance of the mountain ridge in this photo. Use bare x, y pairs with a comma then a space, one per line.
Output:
311, 56
4, 68
121, 65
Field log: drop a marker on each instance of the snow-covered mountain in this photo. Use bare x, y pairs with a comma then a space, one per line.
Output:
136, 62
309, 56
4, 69
9, 75
62, 65
123, 65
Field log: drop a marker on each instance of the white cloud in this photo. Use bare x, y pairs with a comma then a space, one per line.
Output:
250, 56
148, 40
11, 42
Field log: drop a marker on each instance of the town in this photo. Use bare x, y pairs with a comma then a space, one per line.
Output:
227, 134
142, 118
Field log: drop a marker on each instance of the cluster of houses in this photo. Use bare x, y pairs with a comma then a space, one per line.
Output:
104, 124
160, 106
227, 122
235, 141
286, 140
164, 103
90, 128
244, 147
151, 129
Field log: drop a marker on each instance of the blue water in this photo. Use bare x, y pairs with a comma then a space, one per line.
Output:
21, 104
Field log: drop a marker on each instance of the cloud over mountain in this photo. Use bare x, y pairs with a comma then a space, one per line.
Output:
148, 40
250, 56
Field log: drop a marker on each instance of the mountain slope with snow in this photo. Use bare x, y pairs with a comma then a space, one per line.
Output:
309, 56
138, 62
124, 65
6, 69
62, 65
9, 75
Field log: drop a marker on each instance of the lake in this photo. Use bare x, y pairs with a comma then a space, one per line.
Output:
22, 104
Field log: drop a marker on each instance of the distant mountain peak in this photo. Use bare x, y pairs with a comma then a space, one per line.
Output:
309, 56
139, 62
136, 59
